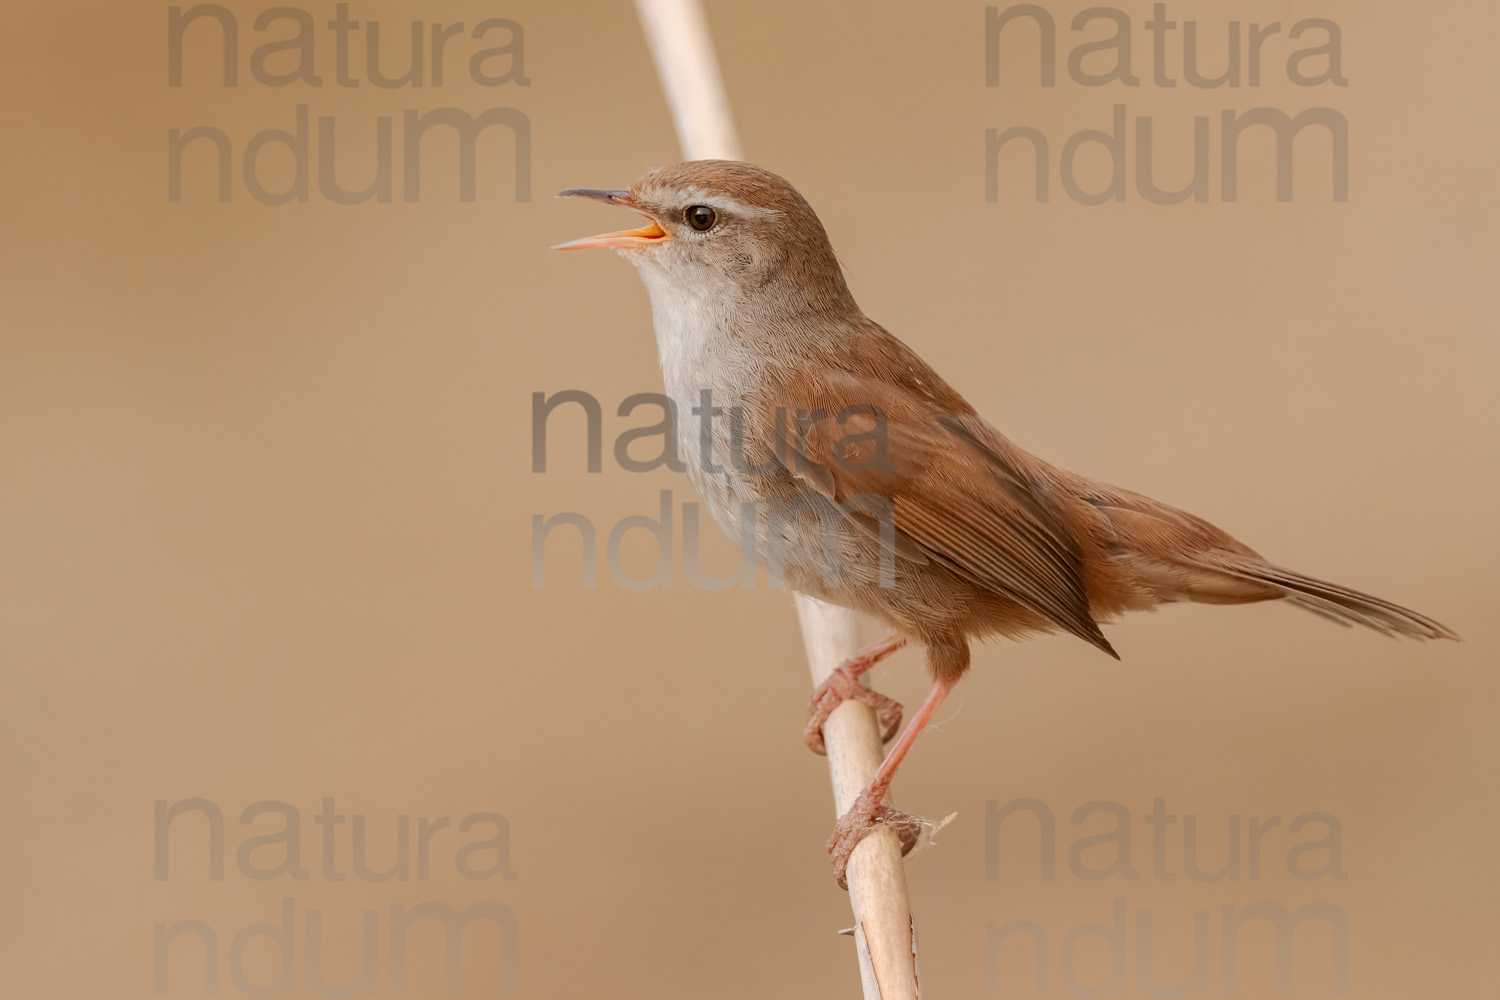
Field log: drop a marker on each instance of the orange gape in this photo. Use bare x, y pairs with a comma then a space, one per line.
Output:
945, 530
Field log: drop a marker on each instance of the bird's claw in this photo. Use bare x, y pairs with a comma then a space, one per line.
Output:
867, 812
843, 685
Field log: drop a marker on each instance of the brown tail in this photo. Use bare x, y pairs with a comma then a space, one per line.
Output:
1163, 542
1340, 604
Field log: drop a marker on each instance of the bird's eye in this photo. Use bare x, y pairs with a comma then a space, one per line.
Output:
700, 217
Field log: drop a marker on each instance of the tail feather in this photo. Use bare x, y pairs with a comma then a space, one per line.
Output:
1177, 556
1341, 604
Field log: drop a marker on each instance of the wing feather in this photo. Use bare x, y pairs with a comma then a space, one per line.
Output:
956, 494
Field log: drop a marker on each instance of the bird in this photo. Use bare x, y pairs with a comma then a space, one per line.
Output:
864, 479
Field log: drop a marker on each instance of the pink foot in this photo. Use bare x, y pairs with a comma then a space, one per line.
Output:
870, 808
843, 685
855, 825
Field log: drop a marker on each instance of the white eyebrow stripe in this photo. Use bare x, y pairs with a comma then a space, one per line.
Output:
738, 207
694, 194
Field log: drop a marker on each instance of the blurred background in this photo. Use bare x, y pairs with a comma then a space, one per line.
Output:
267, 493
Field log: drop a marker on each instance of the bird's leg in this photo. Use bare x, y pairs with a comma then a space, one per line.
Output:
843, 685
870, 808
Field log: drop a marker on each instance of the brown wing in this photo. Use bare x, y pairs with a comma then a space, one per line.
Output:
956, 496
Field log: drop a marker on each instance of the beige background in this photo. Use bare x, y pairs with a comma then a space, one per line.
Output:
267, 498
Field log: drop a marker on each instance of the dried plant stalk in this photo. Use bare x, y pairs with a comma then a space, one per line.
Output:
883, 930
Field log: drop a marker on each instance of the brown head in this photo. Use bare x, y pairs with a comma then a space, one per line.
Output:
725, 229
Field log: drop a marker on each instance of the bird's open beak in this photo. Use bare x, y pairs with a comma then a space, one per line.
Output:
645, 236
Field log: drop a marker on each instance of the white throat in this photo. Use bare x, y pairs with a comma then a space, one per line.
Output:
696, 337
